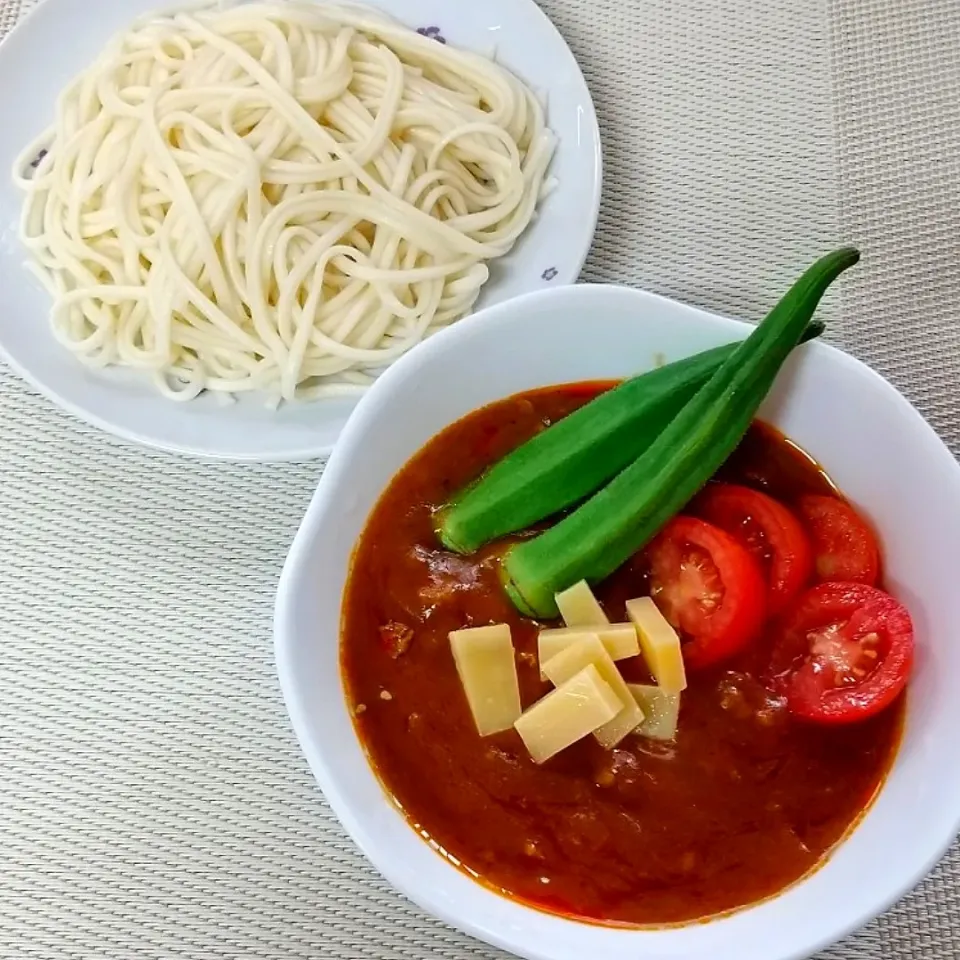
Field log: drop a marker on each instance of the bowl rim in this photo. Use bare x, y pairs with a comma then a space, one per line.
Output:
826, 935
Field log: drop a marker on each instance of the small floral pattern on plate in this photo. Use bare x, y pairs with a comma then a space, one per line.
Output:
432, 33
549, 274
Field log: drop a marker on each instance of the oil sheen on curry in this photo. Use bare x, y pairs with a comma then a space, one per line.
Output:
794, 659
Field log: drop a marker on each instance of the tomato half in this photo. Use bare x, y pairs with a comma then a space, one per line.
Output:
773, 535
843, 653
708, 586
844, 547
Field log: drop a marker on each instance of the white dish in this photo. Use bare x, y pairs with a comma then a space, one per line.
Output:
874, 444
62, 36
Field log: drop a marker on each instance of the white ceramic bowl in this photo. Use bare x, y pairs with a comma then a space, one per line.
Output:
872, 442
36, 61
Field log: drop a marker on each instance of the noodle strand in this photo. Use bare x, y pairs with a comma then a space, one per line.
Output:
278, 196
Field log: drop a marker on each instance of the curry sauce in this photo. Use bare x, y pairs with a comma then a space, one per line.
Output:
745, 800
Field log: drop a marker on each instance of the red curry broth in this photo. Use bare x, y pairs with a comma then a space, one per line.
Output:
745, 801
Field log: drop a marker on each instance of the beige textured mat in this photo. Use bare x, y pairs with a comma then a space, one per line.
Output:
153, 802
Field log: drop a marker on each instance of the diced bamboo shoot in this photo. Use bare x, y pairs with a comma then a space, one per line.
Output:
661, 711
488, 672
579, 607
619, 640
588, 651
574, 710
659, 643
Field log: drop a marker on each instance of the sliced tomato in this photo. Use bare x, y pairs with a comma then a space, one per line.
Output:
707, 584
843, 653
844, 547
769, 530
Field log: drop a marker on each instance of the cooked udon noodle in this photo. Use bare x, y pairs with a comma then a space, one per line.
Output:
280, 197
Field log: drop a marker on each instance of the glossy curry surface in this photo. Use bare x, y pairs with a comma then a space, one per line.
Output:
744, 802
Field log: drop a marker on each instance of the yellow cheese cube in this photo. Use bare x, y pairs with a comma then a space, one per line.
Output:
488, 672
619, 640
659, 643
579, 607
661, 711
575, 658
575, 709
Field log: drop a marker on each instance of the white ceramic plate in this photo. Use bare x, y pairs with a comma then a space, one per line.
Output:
874, 445
62, 36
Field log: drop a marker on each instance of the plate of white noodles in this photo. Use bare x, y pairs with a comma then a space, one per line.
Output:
221, 222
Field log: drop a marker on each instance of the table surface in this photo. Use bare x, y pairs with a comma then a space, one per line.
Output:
153, 800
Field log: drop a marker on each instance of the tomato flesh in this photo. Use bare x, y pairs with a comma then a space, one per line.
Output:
845, 548
708, 586
769, 531
843, 653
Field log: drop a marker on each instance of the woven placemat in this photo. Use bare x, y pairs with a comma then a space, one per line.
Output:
153, 801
